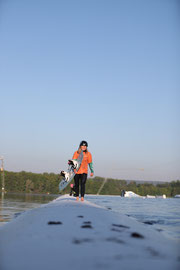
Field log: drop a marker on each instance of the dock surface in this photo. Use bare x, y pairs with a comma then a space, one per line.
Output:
66, 234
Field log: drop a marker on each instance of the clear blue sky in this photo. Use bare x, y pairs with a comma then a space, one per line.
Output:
105, 71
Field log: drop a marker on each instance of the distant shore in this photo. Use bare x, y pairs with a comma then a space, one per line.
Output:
47, 183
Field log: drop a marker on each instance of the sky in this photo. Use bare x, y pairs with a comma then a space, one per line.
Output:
104, 71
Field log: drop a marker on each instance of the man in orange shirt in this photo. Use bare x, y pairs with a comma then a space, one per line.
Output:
81, 175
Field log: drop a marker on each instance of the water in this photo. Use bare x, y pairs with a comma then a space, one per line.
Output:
11, 205
160, 214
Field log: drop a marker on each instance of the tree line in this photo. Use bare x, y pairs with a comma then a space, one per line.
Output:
27, 182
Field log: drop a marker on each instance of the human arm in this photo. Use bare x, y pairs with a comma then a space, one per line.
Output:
91, 169
91, 165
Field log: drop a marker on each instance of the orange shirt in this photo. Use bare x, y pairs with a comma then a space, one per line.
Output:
87, 158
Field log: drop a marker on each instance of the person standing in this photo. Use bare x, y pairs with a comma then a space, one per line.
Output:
81, 175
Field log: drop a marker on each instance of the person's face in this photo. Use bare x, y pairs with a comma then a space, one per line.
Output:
83, 147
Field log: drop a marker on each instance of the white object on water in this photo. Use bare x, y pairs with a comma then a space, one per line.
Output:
161, 197
131, 194
177, 196
150, 196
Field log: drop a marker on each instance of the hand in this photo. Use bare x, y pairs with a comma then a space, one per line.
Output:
91, 174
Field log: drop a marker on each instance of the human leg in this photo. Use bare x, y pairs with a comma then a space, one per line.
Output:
76, 187
83, 183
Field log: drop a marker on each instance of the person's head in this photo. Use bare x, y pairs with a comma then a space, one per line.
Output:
83, 146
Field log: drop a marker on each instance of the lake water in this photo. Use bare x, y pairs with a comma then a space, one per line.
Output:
160, 214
